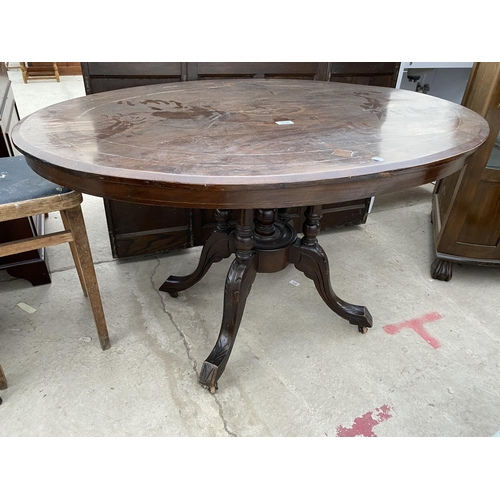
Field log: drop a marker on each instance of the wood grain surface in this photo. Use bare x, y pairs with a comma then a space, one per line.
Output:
217, 144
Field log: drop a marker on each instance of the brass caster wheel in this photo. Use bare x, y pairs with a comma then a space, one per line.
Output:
363, 329
213, 389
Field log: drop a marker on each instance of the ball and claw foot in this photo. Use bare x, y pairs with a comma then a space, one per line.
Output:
363, 329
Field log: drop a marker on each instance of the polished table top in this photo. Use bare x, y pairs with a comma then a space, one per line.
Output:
248, 143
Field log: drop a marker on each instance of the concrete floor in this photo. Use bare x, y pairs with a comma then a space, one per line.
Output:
296, 370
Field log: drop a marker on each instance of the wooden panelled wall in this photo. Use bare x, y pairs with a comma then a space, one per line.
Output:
139, 229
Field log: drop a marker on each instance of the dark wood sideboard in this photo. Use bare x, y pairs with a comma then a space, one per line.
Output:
30, 265
136, 229
466, 205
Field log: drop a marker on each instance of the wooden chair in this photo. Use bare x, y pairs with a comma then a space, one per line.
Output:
23, 193
40, 71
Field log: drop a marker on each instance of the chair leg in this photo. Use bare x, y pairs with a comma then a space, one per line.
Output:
56, 71
3, 380
74, 252
74, 218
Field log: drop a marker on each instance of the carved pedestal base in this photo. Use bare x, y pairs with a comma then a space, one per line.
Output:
262, 245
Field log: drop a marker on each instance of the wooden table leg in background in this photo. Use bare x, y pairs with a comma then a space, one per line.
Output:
310, 258
218, 246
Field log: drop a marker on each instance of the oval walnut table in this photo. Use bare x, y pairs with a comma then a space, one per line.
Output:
255, 145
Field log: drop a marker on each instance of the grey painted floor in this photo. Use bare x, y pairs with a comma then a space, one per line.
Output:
296, 370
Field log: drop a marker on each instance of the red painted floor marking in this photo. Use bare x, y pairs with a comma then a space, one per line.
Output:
417, 325
363, 426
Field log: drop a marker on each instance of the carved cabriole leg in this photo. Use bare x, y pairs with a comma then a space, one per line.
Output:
309, 258
3, 380
442, 270
239, 281
218, 246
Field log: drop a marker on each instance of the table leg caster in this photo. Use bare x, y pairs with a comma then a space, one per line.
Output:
174, 294
363, 329
208, 376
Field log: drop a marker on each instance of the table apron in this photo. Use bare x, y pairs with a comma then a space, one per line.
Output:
245, 196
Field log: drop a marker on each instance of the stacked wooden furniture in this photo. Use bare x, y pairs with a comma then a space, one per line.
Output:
9, 115
139, 229
30, 265
466, 205
40, 71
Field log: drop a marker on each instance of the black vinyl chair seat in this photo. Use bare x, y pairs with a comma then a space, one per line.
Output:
19, 183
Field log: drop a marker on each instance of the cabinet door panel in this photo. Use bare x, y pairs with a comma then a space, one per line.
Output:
382, 74
103, 76
297, 70
136, 229
364, 68
129, 69
375, 80
486, 210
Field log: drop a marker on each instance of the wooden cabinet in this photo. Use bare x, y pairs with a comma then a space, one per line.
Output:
9, 115
466, 205
27, 265
39, 71
139, 230
213, 70
381, 74
63, 68
103, 76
